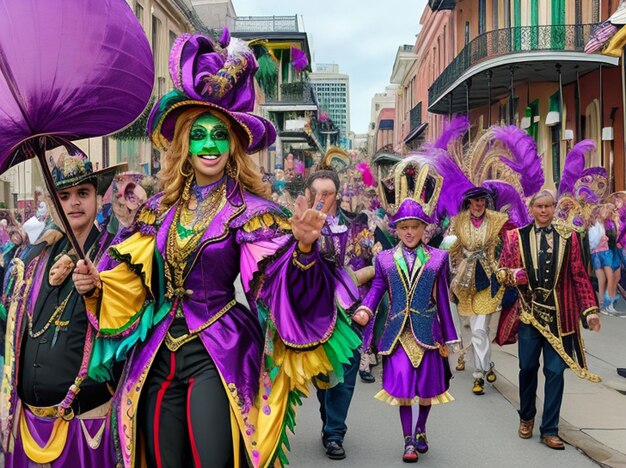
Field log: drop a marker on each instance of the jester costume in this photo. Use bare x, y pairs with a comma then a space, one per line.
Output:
418, 326
206, 380
474, 288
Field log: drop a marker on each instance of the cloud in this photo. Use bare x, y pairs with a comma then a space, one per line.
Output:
361, 36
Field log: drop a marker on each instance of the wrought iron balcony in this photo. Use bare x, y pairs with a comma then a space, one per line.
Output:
297, 93
439, 5
515, 40
258, 24
415, 116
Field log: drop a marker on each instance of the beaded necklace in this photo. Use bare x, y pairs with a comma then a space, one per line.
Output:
57, 315
185, 234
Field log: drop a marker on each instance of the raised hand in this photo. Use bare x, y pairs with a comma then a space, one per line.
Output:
86, 277
307, 223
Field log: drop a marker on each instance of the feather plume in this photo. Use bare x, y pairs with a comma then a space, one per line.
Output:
454, 130
368, 178
574, 166
455, 183
299, 60
508, 199
522, 157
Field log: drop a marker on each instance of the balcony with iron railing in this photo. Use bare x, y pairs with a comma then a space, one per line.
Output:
257, 24
415, 116
439, 5
296, 93
514, 40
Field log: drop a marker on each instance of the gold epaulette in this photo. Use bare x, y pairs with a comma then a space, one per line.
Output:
271, 220
565, 230
147, 216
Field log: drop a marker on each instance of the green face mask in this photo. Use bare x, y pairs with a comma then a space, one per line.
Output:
209, 135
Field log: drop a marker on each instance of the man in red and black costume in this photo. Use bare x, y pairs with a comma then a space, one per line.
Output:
543, 260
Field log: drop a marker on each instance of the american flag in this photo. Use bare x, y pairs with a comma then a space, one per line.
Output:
599, 36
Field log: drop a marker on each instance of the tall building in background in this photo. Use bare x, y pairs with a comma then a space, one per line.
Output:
380, 102
333, 93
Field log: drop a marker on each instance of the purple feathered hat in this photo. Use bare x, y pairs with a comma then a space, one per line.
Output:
502, 165
477, 193
218, 76
410, 209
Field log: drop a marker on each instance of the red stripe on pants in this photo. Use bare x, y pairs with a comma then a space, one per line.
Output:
192, 439
157, 412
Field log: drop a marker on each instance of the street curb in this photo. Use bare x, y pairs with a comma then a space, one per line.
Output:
598, 452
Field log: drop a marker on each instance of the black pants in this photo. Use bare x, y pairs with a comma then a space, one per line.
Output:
185, 415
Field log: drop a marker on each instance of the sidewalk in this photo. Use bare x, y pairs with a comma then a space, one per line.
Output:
593, 416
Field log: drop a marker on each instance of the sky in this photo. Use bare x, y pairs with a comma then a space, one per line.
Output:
361, 36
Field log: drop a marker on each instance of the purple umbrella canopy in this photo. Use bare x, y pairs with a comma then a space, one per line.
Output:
70, 68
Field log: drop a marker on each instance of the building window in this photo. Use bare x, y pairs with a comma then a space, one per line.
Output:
156, 27
444, 44
482, 16
139, 12
507, 13
555, 132
467, 32
494, 16
173, 37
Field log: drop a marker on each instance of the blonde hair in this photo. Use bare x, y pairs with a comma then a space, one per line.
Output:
542, 194
177, 166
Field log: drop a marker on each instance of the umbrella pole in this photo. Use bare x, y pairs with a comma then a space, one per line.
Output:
41, 156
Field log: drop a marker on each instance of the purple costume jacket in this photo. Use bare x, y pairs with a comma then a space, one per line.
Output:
291, 296
419, 317
411, 299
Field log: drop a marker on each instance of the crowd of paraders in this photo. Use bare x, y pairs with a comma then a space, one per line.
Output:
129, 346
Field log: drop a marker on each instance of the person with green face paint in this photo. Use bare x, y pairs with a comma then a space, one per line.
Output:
208, 381
209, 146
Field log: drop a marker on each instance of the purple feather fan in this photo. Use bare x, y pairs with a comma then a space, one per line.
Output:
526, 162
507, 199
456, 128
575, 166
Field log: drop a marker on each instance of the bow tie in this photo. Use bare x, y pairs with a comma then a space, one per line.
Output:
545, 230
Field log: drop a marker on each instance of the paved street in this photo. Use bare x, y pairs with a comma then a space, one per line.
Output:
481, 431
473, 431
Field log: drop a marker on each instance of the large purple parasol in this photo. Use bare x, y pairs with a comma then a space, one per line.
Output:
71, 69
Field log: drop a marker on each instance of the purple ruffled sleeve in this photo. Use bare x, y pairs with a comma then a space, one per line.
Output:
296, 289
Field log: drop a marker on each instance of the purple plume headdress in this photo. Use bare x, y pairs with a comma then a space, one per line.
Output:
580, 188
503, 160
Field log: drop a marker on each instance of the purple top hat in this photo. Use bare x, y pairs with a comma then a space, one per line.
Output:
219, 77
410, 209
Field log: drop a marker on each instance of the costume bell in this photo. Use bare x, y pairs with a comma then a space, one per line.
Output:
419, 323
